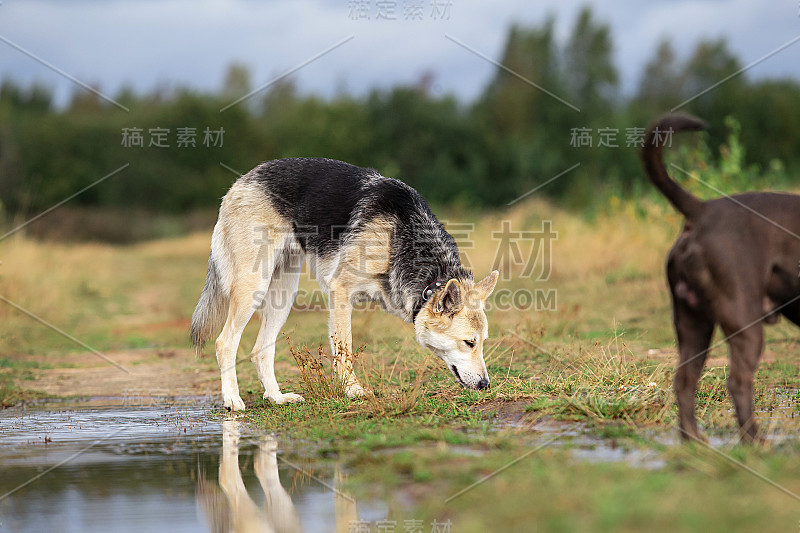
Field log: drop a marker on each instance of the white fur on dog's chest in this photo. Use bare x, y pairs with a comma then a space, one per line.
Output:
362, 286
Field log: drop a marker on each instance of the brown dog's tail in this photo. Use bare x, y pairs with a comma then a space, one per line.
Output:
657, 136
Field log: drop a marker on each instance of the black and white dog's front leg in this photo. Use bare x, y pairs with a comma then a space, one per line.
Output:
341, 336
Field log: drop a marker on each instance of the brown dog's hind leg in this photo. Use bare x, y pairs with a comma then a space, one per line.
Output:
694, 335
740, 318
746, 349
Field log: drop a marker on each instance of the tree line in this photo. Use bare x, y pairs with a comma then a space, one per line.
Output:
182, 152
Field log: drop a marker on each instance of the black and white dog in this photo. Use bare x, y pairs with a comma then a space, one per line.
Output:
365, 237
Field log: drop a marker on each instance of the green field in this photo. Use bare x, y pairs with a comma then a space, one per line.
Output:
576, 433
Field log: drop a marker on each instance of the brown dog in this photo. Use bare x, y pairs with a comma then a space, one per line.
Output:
735, 264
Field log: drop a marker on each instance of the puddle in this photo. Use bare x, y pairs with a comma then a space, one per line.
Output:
587, 447
103, 467
776, 427
581, 440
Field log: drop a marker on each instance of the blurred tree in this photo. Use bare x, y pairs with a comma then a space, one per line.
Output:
280, 97
525, 129
710, 64
85, 101
660, 86
510, 106
237, 82
713, 86
591, 82
589, 73
513, 138
37, 97
769, 114
431, 144
529, 130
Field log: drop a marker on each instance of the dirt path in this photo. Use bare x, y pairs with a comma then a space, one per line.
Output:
718, 358
144, 373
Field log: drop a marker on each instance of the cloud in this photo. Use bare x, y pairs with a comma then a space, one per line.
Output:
148, 43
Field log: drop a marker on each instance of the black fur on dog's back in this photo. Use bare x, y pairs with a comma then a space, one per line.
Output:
329, 202
317, 195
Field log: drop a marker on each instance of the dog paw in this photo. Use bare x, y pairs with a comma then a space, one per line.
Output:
233, 403
280, 398
355, 390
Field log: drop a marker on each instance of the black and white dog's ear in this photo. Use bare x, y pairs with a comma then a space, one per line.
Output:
485, 287
451, 302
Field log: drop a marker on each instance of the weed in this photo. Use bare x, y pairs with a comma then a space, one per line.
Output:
320, 380
603, 384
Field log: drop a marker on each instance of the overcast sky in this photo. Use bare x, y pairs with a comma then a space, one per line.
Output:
145, 43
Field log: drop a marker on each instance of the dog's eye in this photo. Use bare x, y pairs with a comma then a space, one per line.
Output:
471, 344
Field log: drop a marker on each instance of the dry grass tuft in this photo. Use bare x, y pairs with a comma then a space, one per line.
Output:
610, 383
392, 393
317, 372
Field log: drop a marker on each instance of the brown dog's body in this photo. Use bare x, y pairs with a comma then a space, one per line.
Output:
735, 264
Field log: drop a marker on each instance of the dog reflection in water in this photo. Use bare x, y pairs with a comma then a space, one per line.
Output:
229, 508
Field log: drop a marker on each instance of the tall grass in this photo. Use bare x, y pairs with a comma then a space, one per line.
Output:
317, 373
390, 393
609, 382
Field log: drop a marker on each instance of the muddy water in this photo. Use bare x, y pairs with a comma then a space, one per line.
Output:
101, 466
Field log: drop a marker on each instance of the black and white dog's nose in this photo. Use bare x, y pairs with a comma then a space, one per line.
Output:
483, 383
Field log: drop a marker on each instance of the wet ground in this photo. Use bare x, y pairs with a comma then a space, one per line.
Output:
179, 465
101, 466
156, 465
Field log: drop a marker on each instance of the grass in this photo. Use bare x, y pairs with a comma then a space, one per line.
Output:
550, 491
13, 375
407, 403
595, 372
317, 373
